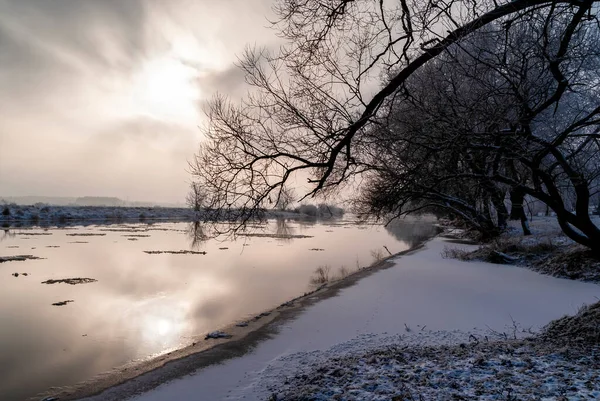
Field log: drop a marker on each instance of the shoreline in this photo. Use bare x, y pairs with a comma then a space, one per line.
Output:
424, 301
137, 377
25, 216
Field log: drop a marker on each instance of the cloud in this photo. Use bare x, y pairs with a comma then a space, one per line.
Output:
141, 159
68, 69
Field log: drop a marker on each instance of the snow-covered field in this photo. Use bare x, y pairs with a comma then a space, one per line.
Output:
64, 214
543, 227
424, 300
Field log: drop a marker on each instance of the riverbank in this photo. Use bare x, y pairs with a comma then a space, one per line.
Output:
246, 332
547, 250
51, 216
424, 300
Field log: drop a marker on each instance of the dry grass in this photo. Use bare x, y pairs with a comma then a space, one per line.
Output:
505, 250
540, 254
455, 253
575, 262
378, 255
321, 275
343, 272
582, 329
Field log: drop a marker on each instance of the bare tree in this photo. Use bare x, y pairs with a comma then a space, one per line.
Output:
317, 98
286, 198
469, 127
196, 197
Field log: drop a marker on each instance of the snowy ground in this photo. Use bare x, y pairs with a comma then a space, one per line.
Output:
423, 300
64, 215
545, 227
512, 370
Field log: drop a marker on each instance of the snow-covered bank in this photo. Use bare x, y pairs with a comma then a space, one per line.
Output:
53, 215
547, 251
422, 300
505, 370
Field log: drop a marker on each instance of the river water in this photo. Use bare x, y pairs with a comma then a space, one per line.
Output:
142, 290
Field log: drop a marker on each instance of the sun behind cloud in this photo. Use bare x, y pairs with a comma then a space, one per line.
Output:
166, 88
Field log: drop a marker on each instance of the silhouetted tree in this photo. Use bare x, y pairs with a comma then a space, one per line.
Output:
196, 197
316, 105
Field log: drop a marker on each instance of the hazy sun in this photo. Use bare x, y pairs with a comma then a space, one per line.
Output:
166, 89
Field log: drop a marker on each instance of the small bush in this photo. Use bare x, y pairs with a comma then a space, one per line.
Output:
344, 272
455, 253
330, 210
377, 255
309, 210
6, 211
321, 275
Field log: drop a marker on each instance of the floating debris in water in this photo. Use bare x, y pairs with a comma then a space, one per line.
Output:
71, 281
132, 239
17, 258
26, 233
261, 315
86, 234
78, 242
242, 324
282, 236
52, 246
136, 235
316, 249
223, 248
62, 303
217, 334
13, 246
124, 230
182, 252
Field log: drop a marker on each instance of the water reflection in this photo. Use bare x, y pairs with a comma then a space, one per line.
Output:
6, 234
147, 304
411, 232
284, 231
196, 233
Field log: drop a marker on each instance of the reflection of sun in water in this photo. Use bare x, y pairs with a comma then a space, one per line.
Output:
162, 322
166, 88
163, 327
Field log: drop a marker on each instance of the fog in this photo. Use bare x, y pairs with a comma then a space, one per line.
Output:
103, 97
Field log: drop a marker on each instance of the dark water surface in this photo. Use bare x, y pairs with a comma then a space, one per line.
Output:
146, 304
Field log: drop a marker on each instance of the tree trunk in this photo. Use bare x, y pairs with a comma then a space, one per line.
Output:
516, 200
502, 213
517, 210
525, 223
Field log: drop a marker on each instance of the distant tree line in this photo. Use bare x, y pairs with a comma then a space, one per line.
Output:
482, 105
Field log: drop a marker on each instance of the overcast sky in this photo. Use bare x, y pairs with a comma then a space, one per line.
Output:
102, 97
